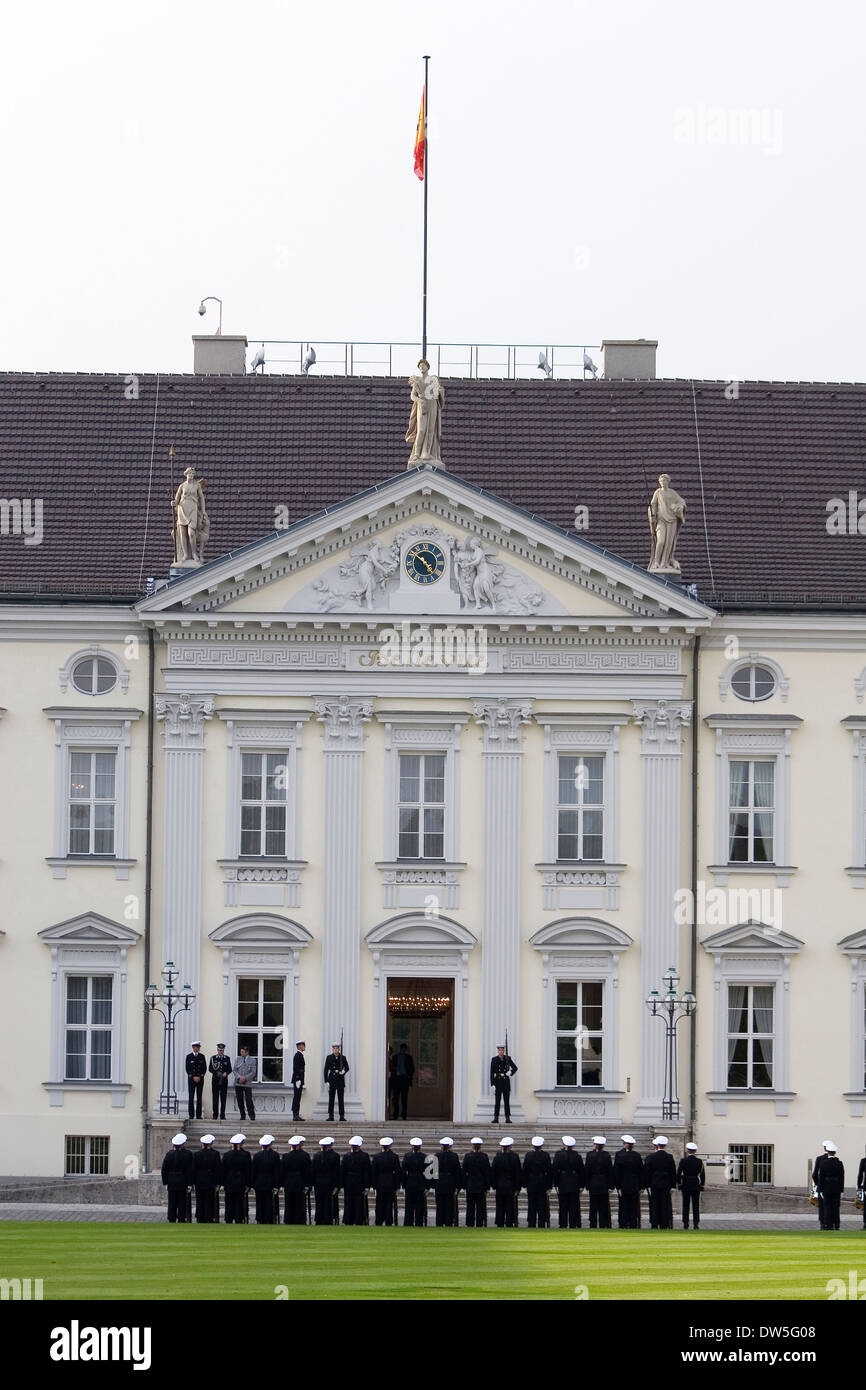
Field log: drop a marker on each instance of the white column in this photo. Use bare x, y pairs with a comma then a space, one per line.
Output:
662, 723
502, 721
343, 721
183, 719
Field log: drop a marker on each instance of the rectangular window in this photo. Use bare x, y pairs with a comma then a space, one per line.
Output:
421, 809
579, 1032
92, 802
751, 1012
750, 1163
263, 804
751, 812
88, 1027
86, 1155
580, 808
260, 1016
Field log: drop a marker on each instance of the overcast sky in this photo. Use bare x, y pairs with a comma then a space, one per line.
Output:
623, 169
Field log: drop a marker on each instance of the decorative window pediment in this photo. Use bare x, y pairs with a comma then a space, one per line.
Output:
753, 937
261, 929
90, 929
414, 929
579, 934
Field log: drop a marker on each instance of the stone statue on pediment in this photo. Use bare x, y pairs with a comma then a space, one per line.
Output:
476, 576
191, 522
373, 566
425, 420
667, 514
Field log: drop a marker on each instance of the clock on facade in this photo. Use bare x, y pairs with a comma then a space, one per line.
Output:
424, 562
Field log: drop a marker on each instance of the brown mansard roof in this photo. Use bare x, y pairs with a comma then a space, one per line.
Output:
757, 471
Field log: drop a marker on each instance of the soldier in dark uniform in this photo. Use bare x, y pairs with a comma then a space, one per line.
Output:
447, 1184
415, 1185
861, 1183
502, 1068
598, 1176
220, 1068
831, 1184
628, 1179
568, 1179
266, 1182
177, 1177
385, 1180
299, 1067
819, 1161
237, 1178
296, 1171
476, 1183
401, 1078
336, 1069
660, 1179
505, 1175
538, 1180
691, 1177
207, 1175
326, 1182
196, 1070
356, 1177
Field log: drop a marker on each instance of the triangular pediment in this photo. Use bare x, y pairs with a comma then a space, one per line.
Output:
425, 543
91, 929
752, 937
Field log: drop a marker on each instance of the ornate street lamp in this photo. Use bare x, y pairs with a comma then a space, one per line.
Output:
671, 1007
168, 1002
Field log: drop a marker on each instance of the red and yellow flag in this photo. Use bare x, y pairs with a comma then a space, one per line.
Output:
421, 137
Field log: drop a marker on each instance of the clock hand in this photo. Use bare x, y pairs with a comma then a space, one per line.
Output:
428, 567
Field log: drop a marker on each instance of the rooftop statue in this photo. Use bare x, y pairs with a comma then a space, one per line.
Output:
425, 421
667, 513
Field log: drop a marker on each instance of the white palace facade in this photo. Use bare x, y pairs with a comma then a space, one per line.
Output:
426, 768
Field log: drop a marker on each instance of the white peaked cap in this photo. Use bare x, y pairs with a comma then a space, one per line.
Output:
238, 1139
476, 1140
569, 1141
326, 1142
661, 1139
299, 1139
355, 1140
506, 1142
207, 1139
831, 1148
828, 1144
416, 1142
294, 1140
537, 1142
599, 1139
385, 1143
693, 1147
266, 1140
181, 1139
627, 1138
447, 1142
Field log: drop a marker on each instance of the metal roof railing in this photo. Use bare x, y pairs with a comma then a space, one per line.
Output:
505, 361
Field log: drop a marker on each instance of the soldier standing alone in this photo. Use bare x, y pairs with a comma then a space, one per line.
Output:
502, 1068
691, 1177
299, 1067
336, 1070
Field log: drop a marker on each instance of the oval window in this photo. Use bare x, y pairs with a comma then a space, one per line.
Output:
94, 676
753, 683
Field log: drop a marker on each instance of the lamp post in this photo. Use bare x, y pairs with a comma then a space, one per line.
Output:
671, 1007
168, 1002
218, 301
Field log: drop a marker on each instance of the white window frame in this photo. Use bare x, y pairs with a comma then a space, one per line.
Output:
581, 806
752, 953
87, 1027
263, 945
263, 803
854, 947
94, 650
856, 870
411, 883
91, 731
89, 944
91, 802
753, 659
600, 1032
751, 808
263, 880
581, 949
422, 805
753, 738
750, 1036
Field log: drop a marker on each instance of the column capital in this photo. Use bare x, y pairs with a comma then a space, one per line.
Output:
344, 720
662, 723
502, 721
182, 718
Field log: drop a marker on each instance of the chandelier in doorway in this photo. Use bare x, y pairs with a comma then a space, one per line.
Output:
416, 999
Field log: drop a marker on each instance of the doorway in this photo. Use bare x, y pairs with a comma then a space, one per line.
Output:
421, 1016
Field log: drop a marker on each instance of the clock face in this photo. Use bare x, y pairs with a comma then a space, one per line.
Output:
424, 562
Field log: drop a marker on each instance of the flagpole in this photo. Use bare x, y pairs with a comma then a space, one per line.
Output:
426, 180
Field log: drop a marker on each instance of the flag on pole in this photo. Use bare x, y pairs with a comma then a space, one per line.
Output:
421, 137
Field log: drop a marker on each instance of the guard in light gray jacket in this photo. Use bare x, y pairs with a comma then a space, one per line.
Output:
245, 1075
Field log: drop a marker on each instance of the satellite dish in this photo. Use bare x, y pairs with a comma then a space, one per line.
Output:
258, 360
544, 365
309, 359
589, 365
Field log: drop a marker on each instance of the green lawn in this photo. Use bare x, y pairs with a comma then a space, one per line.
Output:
112, 1261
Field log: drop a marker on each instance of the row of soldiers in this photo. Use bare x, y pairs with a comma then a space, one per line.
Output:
317, 1182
